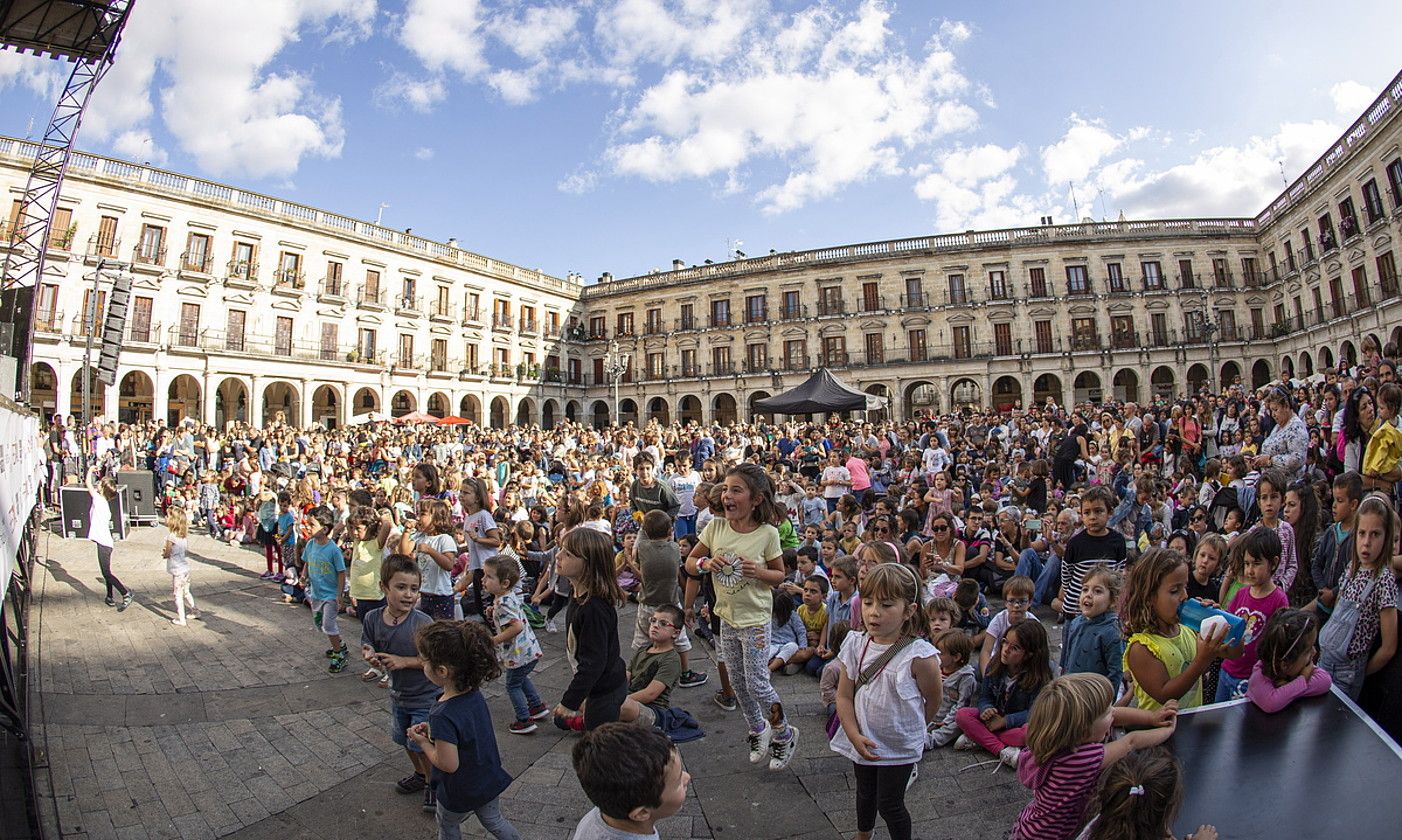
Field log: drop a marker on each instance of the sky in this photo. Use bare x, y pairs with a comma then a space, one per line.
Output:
618, 135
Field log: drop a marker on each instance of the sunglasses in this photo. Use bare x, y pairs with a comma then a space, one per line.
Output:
1199, 518
939, 528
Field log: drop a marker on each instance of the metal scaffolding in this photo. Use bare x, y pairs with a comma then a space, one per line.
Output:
88, 33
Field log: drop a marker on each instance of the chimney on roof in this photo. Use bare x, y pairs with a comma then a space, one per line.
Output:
452, 242
606, 277
678, 265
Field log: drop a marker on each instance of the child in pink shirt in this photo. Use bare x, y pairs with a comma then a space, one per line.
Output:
1285, 669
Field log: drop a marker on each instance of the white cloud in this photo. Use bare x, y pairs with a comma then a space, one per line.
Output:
445, 35
1351, 98
139, 145
1223, 180
853, 112
418, 94
1084, 145
423, 153
578, 183
975, 188
224, 100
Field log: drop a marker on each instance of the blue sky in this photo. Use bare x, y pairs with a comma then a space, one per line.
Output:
616, 135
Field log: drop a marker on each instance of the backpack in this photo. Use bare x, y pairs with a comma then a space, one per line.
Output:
1223, 500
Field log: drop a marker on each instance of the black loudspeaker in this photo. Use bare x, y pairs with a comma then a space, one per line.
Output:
140, 487
75, 505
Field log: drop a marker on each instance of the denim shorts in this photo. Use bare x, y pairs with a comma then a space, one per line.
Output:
401, 719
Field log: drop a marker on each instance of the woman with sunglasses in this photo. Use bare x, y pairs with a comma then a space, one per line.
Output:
944, 553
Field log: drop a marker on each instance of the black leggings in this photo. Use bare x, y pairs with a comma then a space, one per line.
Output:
881, 788
602, 709
557, 603
104, 563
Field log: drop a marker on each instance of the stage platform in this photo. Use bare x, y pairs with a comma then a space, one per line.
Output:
1319, 768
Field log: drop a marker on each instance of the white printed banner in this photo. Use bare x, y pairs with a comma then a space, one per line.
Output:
22, 472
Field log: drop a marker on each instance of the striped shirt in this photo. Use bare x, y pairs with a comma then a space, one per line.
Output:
1060, 792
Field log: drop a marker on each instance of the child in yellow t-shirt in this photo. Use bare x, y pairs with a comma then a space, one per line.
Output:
741, 553
1165, 658
813, 612
1385, 440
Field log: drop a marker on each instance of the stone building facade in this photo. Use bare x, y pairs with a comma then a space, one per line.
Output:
247, 305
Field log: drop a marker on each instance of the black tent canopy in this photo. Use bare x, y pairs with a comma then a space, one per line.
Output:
820, 392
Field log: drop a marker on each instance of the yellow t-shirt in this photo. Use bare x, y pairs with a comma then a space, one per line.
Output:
813, 620
1384, 449
740, 601
365, 570
1175, 654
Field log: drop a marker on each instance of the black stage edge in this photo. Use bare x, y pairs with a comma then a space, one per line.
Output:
1318, 768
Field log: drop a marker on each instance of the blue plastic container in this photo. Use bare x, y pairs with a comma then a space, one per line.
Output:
1192, 612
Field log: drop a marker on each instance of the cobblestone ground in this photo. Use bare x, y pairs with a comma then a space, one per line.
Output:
232, 727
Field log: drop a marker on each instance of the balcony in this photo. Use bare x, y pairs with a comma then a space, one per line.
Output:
652, 328
1079, 290
795, 363
1038, 291
1116, 287
442, 311
502, 322
831, 306
371, 297
143, 332
1256, 279
874, 304
915, 301
553, 330
687, 322
757, 365
98, 245
793, 312
289, 281
757, 316
722, 369
149, 256
472, 316
719, 320
438, 363
833, 358
957, 297
1086, 341
689, 371
193, 262
408, 305
597, 334
407, 361
656, 374
241, 274
529, 326
999, 292
624, 330
1222, 280
1124, 340
48, 321
1188, 281
1153, 283
332, 290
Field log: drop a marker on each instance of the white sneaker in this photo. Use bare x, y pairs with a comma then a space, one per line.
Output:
1009, 756
782, 752
759, 744
963, 744
551, 626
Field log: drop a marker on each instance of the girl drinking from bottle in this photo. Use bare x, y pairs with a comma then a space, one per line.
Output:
1165, 658
889, 685
741, 552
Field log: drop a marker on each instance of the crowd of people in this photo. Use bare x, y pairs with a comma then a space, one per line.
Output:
1242, 544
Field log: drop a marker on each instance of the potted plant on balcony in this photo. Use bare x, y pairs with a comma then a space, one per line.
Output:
353, 356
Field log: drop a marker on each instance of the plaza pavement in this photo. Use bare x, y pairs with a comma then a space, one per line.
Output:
231, 727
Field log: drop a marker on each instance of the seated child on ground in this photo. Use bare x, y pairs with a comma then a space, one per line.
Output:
960, 686
1017, 594
656, 669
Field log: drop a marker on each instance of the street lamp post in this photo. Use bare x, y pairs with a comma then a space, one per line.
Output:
615, 365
